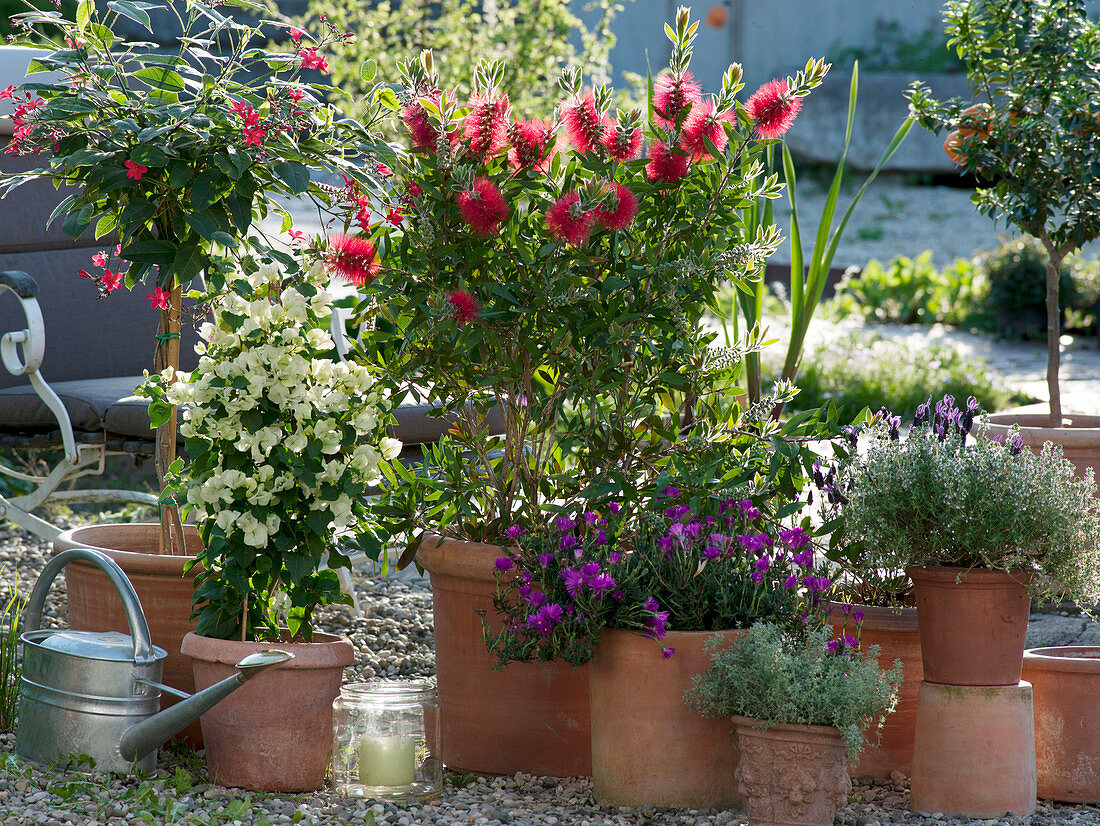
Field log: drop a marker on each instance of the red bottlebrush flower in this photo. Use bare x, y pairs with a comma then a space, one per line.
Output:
486, 127
619, 216
672, 94
423, 134
528, 139
134, 170
773, 109
583, 124
483, 207
353, 259
566, 221
622, 145
666, 166
464, 308
701, 124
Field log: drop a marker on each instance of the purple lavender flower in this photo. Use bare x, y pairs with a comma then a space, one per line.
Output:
504, 563
1016, 445
514, 532
545, 559
667, 652
851, 434
757, 577
923, 411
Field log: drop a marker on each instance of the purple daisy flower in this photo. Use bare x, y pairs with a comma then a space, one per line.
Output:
504, 563
601, 583
545, 560
667, 652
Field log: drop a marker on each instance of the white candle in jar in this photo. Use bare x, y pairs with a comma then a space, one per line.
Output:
387, 761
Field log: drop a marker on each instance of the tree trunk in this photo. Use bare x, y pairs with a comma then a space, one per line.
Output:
167, 356
1054, 328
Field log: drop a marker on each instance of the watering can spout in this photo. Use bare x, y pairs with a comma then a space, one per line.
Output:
144, 737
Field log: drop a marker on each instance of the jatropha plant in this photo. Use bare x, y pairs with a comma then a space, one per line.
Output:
551, 275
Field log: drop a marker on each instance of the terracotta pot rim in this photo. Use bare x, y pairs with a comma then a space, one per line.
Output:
944, 575
1073, 658
625, 632
460, 558
814, 732
1076, 429
881, 617
132, 561
326, 651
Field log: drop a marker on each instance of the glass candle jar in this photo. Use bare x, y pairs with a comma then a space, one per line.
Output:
385, 741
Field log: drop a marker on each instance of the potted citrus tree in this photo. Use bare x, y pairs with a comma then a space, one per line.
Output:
283, 439
801, 705
1031, 138
542, 288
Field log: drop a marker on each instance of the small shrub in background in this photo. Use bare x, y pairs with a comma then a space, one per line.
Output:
1017, 291
10, 669
858, 370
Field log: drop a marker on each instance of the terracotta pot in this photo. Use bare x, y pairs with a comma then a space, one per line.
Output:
648, 747
895, 632
972, 624
161, 585
1079, 436
974, 752
525, 717
1066, 683
791, 775
274, 733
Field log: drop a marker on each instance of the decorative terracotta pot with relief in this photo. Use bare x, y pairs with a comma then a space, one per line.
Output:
791, 775
972, 624
648, 747
895, 632
1079, 436
274, 734
162, 586
525, 717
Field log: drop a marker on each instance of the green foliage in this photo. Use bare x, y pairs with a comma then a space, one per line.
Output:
10, 669
534, 38
912, 291
1017, 288
776, 678
891, 50
942, 498
858, 370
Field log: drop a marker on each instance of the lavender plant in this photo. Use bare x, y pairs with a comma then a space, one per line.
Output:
942, 496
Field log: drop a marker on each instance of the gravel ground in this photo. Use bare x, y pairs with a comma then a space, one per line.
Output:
393, 640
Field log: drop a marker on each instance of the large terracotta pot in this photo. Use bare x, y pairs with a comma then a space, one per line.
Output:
525, 717
274, 733
1066, 683
1079, 436
648, 747
161, 585
791, 775
974, 753
972, 624
895, 632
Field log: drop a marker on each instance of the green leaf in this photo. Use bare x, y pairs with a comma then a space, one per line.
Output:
297, 566
161, 77
76, 222
190, 260
295, 175
106, 224
149, 155
160, 253
202, 223
129, 9
84, 11
368, 70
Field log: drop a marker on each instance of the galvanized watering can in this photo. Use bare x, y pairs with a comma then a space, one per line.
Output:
98, 694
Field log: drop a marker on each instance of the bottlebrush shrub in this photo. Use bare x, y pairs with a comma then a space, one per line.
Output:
717, 567
555, 272
283, 441
774, 677
943, 497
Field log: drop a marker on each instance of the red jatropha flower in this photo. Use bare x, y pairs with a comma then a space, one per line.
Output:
255, 136
528, 139
773, 109
111, 281
84, 274
296, 236
99, 259
134, 170
296, 34
248, 115
383, 170
583, 124
666, 166
622, 145
394, 216
566, 221
7, 93
700, 125
619, 216
486, 127
312, 60
159, 298
295, 94
483, 207
464, 307
353, 259
672, 93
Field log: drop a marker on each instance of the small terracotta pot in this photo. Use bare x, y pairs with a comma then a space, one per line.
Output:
895, 632
648, 746
274, 733
163, 588
791, 775
974, 753
972, 624
1079, 437
525, 717
1066, 682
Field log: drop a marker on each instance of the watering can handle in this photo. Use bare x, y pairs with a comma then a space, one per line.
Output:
139, 628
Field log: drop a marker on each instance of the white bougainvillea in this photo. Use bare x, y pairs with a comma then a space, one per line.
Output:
283, 439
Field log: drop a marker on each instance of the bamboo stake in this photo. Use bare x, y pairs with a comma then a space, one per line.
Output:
167, 356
